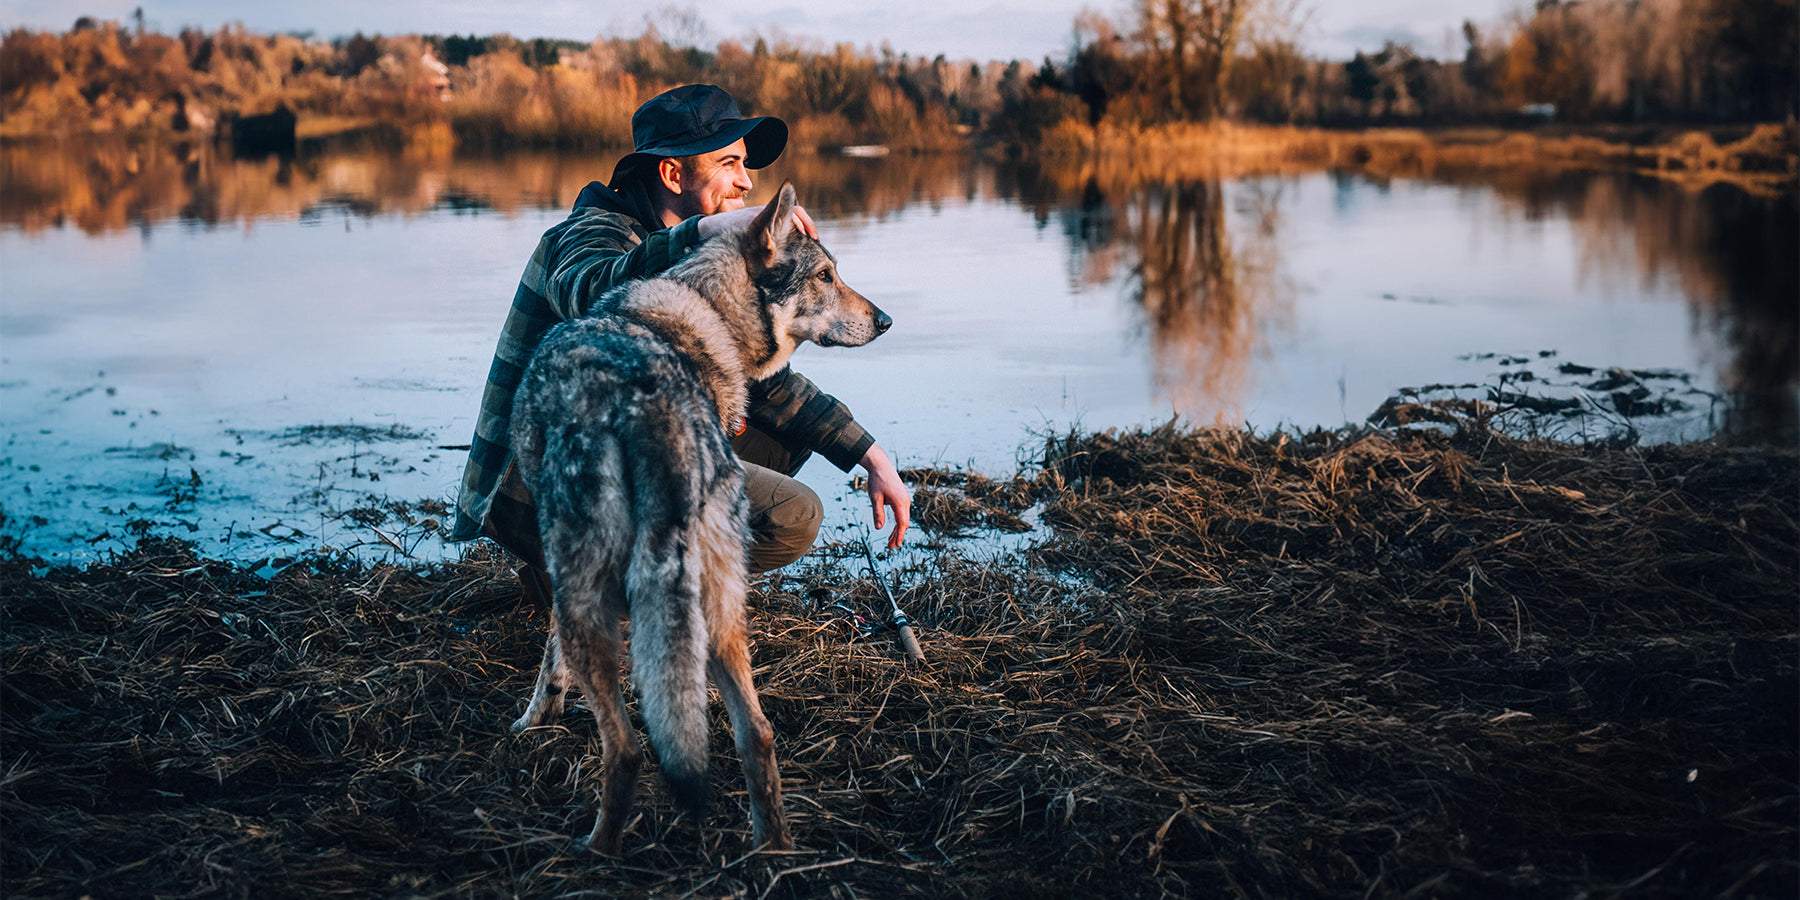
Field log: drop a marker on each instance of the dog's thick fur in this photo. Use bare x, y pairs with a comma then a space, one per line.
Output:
621, 427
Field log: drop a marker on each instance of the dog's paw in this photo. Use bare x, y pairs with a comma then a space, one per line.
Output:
590, 845
526, 721
778, 842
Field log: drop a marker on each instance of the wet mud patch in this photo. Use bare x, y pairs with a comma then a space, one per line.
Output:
155, 451
950, 504
1538, 397
404, 527
303, 435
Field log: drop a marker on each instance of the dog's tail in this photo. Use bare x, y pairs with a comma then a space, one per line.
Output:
669, 650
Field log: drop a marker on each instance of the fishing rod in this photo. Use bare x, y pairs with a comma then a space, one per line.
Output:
901, 623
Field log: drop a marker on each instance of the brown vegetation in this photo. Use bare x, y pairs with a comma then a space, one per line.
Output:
1589, 61
107, 79
1763, 159
1368, 664
496, 91
1165, 61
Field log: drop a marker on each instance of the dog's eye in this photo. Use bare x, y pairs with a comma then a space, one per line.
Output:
825, 275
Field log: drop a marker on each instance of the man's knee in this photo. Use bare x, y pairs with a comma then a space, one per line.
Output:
512, 520
784, 521
760, 448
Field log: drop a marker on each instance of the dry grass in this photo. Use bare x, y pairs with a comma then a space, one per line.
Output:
1372, 664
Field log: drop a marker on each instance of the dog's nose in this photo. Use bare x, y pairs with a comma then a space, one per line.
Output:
882, 322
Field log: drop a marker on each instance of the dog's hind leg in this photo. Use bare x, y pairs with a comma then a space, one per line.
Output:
590, 647
730, 668
723, 588
552, 686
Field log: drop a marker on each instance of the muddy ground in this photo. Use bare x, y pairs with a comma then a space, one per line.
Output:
1353, 664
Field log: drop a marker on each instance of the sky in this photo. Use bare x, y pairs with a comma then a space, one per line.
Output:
959, 29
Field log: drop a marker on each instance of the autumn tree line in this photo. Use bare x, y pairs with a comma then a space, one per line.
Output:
1160, 62
1581, 61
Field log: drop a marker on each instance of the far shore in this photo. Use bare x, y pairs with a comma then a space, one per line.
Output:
1761, 157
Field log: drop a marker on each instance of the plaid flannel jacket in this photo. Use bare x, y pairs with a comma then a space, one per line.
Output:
604, 243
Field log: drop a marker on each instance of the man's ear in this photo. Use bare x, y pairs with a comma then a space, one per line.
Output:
668, 174
771, 226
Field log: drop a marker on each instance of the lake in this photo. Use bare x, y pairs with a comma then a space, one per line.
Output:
267, 356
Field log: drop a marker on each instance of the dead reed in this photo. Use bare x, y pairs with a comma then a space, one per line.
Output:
1346, 665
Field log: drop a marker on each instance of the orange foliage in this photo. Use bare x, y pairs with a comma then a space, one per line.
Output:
1595, 60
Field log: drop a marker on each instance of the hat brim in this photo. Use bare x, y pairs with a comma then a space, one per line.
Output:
764, 138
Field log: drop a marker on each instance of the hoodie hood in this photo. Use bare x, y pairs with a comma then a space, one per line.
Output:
630, 198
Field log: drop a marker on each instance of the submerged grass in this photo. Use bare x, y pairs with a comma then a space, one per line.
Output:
1346, 665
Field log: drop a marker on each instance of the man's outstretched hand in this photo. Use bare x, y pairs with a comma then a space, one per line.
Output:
887, 490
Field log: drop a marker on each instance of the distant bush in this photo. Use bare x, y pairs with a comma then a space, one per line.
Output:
500, 100
1165, 63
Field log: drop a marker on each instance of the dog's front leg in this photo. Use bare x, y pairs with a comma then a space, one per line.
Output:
552, 685
553, 677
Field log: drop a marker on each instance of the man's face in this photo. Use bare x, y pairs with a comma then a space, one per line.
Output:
714, 182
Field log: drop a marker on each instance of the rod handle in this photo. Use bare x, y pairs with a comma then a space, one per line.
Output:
910, 644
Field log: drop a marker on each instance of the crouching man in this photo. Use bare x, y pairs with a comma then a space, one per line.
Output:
685, 181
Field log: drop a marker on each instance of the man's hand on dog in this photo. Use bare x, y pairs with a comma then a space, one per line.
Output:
886, 489
719, 223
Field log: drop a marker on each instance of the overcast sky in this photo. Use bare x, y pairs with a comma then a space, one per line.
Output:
972, 29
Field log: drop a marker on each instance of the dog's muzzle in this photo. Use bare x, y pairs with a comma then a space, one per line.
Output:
882, 322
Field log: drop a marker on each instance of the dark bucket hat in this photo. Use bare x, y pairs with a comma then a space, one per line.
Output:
699, 118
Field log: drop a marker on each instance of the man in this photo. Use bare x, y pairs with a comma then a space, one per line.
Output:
684, 182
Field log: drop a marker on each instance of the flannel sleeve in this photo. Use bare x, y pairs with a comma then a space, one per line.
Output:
789, 407
598, 252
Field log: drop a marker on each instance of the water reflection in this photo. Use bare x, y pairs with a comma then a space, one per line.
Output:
1212, 284
109, 186
1204, 261
1207, 289
1740, 252
1733, 254
105, 186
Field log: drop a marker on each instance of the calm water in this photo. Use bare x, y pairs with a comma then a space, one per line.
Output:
268, 356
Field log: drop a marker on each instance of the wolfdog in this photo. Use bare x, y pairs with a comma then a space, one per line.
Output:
622, 428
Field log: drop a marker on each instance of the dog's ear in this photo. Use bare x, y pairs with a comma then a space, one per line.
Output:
771, 226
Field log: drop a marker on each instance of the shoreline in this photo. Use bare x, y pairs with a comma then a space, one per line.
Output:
366, 522
1764, 160
1234, 659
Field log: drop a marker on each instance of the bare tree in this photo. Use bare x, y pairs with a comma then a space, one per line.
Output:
1191, 44
680, 26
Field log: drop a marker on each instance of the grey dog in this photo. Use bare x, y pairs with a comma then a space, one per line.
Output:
622, 428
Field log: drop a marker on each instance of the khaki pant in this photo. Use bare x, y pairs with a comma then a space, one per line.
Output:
784, 514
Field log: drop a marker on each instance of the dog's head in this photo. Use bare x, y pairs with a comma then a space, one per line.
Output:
797, 282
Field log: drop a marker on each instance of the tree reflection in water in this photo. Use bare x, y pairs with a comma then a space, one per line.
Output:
1200, 257
1208, 286
103, 186
1733, 253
